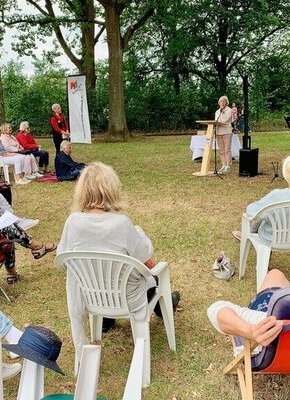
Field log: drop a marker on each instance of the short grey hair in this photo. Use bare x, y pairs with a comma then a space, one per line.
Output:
55, 106
23, 125
64, 144
224, 98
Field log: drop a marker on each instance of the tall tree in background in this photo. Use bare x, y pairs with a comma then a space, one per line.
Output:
84, 15
208, 39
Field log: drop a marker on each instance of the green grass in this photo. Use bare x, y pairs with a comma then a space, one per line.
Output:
189, 220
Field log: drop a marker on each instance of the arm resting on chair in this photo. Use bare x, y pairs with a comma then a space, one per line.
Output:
159, 268
264, 332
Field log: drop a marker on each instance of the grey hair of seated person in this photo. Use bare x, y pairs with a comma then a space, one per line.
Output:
286, 169
23, 125
64, 144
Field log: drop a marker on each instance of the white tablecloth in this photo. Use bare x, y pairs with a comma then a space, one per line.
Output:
198, 143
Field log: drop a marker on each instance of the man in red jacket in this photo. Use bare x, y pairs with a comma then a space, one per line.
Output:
28, 142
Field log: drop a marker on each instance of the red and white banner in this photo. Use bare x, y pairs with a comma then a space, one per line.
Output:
79, 122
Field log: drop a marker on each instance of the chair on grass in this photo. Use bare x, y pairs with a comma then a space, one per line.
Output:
5, 170
31, 385
87, 381
102, 280
278, 215
273, 359
88, 376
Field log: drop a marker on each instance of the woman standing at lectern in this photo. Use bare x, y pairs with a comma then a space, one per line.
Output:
224, 134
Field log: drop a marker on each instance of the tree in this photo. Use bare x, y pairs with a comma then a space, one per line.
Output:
82, 13
225, 33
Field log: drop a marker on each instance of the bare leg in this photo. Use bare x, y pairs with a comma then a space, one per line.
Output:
274, 278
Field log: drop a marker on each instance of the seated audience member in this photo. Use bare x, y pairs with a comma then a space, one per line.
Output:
24, 223
15, 159
11, 145
251, 322
59, 126
35, 343
263, 227
96, 225
65, 167
38, 249
28, 142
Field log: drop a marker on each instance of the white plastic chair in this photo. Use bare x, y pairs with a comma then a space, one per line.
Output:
278, 215
88, 376
102, 279
31, 385
5, 170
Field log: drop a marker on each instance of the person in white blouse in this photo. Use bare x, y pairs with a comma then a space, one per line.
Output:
224, 134
96, 225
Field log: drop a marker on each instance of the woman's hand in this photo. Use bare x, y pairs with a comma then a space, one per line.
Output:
266, 330
150, 263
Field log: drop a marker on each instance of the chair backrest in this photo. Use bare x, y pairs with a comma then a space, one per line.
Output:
275, 357
88, 375
278, 215
102, 278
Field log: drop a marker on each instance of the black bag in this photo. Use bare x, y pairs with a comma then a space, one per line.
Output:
5, 190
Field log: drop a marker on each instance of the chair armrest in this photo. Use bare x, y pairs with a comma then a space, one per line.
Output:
161, 266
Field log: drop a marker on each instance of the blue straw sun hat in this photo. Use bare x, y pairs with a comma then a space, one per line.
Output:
40, 345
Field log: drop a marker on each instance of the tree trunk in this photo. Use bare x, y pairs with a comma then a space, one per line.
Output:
117, 128
2, 108
88, 45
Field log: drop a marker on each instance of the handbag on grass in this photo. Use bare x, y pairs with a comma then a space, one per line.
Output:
222, 267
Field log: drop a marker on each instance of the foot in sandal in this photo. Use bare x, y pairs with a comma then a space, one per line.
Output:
45, 248
236, 235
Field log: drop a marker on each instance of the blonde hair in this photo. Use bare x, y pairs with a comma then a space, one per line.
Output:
224, 98
4, 127
23, 125
55, 106
286, 169
98, 187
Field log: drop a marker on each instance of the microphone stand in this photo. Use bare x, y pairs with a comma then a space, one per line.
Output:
215, 172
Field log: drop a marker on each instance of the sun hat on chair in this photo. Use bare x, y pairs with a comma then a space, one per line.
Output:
40, 345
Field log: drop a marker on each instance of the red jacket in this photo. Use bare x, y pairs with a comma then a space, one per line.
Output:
58, 123
26, 140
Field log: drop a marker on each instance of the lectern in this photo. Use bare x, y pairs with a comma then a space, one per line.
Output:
204, 171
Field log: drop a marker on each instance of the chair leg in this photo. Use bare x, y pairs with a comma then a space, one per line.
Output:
140, 329
262, 263
165, 302
244, 252
167, 314
96, 324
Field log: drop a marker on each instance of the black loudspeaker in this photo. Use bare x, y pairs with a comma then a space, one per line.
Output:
248, 162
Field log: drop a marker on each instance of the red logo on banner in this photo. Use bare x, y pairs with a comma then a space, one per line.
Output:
73, 84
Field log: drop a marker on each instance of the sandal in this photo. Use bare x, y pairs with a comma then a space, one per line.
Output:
10, 279
38, 253
237, 235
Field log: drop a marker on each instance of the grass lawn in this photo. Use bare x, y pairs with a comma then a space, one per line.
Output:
189, 220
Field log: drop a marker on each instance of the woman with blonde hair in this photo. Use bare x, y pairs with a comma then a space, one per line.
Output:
96, 225
224, 134
59, 126
12, 148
